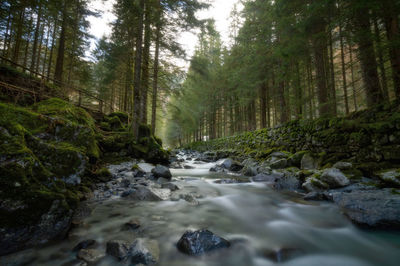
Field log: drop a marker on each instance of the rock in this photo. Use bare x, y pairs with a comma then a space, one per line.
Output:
189, 198
84, 245
51, 225
127, 193
334, 178
279, 154
231, 165
314, 184
200, 242
91, 256
132, 225
371, 208
309, 162
279, 163
161, 171
75, 262
250, 171
317, 196
149, 194
170, 186
267, 177
119, 249
188, 166
390, 177
144, 251
343, 166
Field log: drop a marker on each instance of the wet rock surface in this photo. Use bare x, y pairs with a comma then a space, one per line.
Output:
200, 242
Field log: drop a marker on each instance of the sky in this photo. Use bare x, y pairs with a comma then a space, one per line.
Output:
219, 11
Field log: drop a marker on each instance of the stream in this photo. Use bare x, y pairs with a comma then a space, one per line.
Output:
265, 227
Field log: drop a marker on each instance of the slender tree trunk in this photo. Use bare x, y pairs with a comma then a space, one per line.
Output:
145, 65
332, 75
46, 50
381, 62
58, 74
6, 34
27, 43
263, 105
39, 50
346, 100
353, 82
18, 36
53, 38
155, 71
137, 75
36, 36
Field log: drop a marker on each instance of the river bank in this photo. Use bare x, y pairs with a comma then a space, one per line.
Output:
262, 225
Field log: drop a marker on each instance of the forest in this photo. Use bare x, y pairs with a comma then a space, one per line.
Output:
200, 132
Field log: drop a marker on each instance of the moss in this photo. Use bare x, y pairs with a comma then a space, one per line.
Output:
144, 131
135, 167
56, 107
353, 174
123, 117
105, 126
103, 174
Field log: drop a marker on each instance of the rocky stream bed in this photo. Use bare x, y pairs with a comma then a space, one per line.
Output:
207, 212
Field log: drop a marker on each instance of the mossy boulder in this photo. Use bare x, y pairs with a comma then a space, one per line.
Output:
390, 177
103, 174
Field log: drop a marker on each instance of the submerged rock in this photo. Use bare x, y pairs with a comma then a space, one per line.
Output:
90, 256
144, 251
84, 244
131, 225
200, 242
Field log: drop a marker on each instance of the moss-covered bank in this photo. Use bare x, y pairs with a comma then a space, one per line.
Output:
370, 138
49, 156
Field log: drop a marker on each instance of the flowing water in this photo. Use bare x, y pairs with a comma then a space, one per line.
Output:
256, 218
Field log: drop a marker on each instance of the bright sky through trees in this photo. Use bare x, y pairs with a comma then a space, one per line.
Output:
220, 12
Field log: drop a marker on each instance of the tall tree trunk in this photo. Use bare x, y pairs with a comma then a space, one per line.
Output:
332, 75
319, 45
53, 38
36, 36
28, 37
7, 36
381, 62
367, 56
346, 100
263, 105
46, 49
58, 74
353, 82
39, 50
137, 77
390, 11
145, 66
18, 36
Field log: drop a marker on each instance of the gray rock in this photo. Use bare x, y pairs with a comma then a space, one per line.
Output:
84, 245
308, 162
161, 171
231, 165
279, 154
90, 256
250, 171
317, 196
343, 165
170, 186
131, 225
314, 184
267, 177
279, 163
144, 251
373, 208
188, 166
189, 198
119, 249
149, 194
334, 178
390, 177
200, 242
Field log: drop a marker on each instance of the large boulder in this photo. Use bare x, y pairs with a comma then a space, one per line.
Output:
149, 194
310, 162
390, 177
231, 165
200, 242
119, 249
162, 171
371, 208
334, 178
